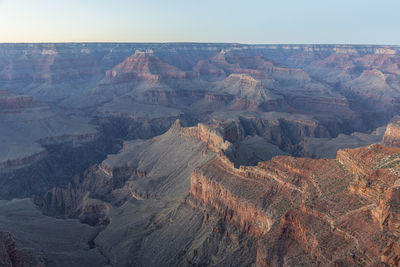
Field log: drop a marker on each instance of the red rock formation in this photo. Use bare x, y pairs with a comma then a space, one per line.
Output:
308, 211
392, 134
143, 66
210, 135
233, 209
134, 68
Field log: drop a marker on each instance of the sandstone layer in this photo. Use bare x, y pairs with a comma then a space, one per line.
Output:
89, 131
392, 134
308, 211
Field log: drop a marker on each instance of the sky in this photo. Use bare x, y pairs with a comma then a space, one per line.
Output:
250, 21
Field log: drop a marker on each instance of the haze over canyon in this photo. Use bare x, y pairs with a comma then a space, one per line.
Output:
199, 154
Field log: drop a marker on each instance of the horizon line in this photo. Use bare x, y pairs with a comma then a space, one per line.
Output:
196, 42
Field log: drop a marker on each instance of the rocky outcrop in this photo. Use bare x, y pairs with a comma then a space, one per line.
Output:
210, 135
130, 174
392, 134
308, 211
12, 102
328, 147
249, 103
335, 83
56, 167
136, 66
281, 129
285, 131
287, 211
11, 164
8, 252
232, 209
29, 125
11, 256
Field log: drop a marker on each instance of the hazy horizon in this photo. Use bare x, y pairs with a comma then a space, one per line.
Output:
189, 42
256, 22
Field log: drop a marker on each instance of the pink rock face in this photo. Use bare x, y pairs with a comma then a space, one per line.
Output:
143, 66
392, 134
308, 211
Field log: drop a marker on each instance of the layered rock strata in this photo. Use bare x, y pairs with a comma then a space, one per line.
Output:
392, 134
309, 211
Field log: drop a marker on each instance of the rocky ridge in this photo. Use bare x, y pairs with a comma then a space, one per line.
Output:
307, 210
10, 256
287, 211
392, 134
210, 194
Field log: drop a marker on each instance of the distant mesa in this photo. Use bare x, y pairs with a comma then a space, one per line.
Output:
200, 154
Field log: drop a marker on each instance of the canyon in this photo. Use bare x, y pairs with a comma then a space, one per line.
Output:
187, 154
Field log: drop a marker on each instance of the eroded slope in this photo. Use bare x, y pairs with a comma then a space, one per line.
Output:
309, 211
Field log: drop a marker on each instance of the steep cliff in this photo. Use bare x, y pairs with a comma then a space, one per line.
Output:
27, 125
39, 240
307, 211
10, 256
392, 134
179, 196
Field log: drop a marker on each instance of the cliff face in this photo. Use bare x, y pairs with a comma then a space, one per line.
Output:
11, 102
28, 125
182, 189
30, 177
392, 134
133, 174
210, 135
8, 252
11, 256
304, 79
305, 211
287, 211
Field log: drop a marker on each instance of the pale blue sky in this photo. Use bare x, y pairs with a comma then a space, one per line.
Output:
250, 21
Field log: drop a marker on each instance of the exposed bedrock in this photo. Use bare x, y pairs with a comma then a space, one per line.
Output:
133, 174
330, 212
128, 128
232, 209
223, 192
11, 256
392, 134
60, 242
130, 183
384, 108
302, 136
284, 212
12, 102
284, 131
61, 162
328, 147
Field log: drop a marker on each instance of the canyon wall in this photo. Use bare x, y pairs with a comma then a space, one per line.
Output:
179, 195
392, 134
10, 256
308, 211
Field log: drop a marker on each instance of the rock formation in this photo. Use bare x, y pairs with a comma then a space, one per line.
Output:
392, 134
10, 256
39, 240
287, 211
183, 154
308, 211
28, 124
